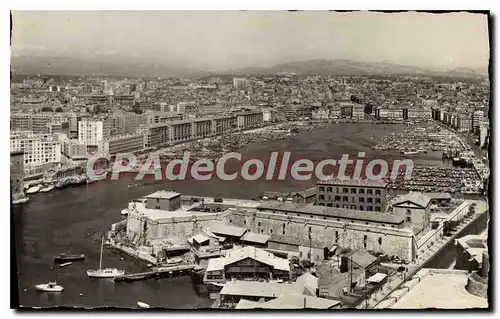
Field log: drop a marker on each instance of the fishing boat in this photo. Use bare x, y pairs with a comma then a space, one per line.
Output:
47, 188
65, 258
142, 305
49, 287
106, 272
65, 264
33, 190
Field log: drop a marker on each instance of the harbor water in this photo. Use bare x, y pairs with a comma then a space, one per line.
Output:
72, 220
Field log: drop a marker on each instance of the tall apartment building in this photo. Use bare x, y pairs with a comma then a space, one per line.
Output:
477, 119
155, 135
358, 113
250, 119
91, 132
180, 130
201, 127
359, 194
241, 84
222, 124
38, 149
464, 123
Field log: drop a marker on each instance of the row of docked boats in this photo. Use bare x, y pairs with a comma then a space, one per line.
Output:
40, 188
65, 182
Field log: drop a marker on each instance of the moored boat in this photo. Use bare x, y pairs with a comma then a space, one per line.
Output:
20, 201
142, 305
47, 188
49, 287
106, 272
33, 190
65, 264
64, 258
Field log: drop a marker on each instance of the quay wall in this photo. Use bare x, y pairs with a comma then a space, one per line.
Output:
446, 254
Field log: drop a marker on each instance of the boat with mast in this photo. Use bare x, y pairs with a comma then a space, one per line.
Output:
106, 272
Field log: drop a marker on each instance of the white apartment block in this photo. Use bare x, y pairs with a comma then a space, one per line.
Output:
250, 119
92, 132
38, 148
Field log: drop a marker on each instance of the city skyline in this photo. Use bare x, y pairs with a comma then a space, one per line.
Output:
218, 41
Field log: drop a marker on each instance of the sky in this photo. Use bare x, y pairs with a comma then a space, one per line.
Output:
219, 40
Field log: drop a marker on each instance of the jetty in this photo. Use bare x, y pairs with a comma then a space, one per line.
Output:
158, 272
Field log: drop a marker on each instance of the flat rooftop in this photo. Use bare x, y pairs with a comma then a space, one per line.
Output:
353, 182
441, 290
163, 195
335, 212
158, 214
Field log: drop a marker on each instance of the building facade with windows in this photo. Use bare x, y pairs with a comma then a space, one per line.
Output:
91, 132
38, 149
127, 143
362, 194
415, 209
250, 119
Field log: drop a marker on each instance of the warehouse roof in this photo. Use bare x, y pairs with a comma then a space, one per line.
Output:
332, 212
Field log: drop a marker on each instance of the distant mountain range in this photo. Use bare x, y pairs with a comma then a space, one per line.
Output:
349, 67
116, 66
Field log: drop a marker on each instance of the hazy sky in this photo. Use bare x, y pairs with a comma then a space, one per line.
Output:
226, 39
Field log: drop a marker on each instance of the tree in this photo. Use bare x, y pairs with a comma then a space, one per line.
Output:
59, 109
47, 109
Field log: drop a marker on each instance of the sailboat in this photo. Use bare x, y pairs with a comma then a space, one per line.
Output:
106, 272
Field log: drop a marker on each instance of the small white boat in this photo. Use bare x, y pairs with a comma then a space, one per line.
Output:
49, 287
65, 264
106, 272
142, 305
20, 201
174, 260
33, 190
47, 189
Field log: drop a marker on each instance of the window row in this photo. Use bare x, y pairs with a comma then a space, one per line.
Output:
353, 199
352, 190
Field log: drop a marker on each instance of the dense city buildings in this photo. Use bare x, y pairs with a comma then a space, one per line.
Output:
250, 160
